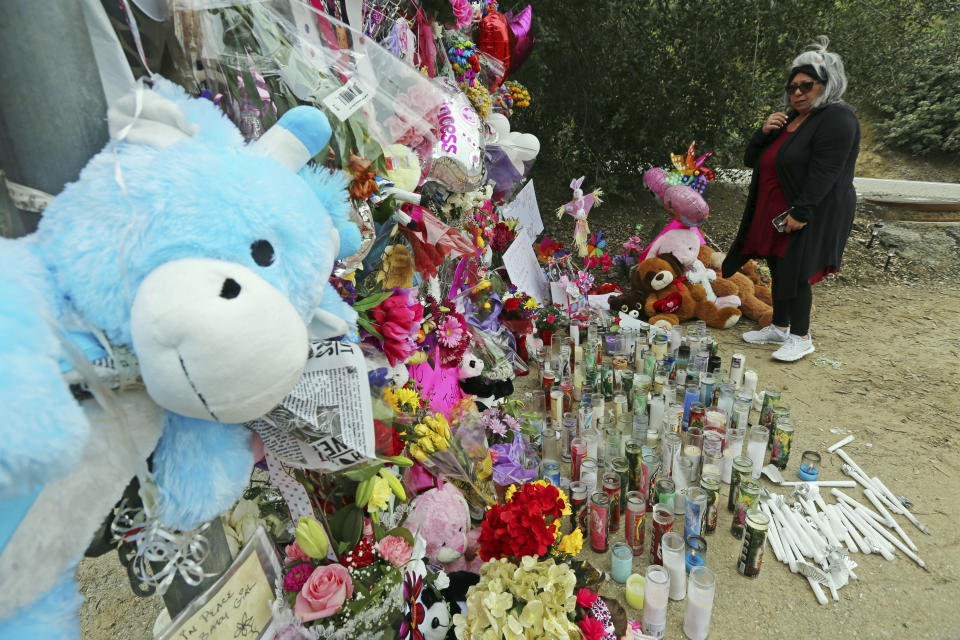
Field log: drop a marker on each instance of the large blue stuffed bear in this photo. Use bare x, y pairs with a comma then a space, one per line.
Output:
202, 259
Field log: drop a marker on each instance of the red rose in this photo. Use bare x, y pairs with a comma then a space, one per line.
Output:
512, 304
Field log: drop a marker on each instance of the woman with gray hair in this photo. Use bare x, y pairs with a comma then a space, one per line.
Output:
801, 203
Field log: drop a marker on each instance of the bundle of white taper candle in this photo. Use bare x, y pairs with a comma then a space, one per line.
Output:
827, 533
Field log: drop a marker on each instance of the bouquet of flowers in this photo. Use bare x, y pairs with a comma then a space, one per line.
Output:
518, 306
549, 250
531, 600
528, 524
499, 237
464, 205
466, 462
392, 320
550, 317
504, 422
445, 331
363, 596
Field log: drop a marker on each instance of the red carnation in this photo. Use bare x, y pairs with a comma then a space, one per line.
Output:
592, 629
586, 598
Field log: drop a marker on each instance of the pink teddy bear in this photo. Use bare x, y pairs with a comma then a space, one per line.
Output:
442, 518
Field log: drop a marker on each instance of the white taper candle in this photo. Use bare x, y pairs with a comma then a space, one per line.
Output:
839, 444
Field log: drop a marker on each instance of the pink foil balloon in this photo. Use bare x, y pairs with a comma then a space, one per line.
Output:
686, 205
521, 35
655, 180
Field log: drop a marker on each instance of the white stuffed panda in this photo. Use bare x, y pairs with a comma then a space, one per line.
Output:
473, 382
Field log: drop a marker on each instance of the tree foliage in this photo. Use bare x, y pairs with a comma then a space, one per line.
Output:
619, 84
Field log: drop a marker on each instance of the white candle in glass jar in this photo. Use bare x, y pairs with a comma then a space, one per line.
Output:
749, 382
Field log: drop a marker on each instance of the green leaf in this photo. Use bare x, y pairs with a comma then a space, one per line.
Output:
373, 301
361, 474
346, 525
250, 88
301, 477
369, 328
402, 532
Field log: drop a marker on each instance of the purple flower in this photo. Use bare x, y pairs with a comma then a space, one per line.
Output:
511, 422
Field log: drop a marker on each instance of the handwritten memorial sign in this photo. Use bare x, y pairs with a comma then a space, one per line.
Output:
525, 209
238, 605
523, 268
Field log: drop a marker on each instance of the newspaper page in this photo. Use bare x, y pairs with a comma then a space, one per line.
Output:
326, 421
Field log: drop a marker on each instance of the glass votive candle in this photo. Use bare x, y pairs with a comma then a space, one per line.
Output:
635, 587
696, 552
621, 562
715, 419
592, 438
672, 549
809, 469
656, 598
551, 473
701, 587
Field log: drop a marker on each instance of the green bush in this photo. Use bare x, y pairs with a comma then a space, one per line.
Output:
923, 117
619, 84
920, 103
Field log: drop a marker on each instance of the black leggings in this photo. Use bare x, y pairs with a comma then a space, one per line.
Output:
793, 312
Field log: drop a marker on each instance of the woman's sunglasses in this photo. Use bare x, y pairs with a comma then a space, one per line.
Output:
805, 87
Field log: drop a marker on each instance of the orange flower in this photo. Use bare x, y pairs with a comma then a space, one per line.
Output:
363, 185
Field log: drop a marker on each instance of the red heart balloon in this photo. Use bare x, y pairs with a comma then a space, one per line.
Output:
494, 40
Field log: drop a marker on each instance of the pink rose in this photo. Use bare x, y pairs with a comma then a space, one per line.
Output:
294, 553
394, 550
463, 12
324, 593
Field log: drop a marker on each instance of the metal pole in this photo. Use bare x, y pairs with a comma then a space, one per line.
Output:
52, 121
52, 108
11, 226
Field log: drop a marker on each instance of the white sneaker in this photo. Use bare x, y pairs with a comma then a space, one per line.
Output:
768, 335
793, 349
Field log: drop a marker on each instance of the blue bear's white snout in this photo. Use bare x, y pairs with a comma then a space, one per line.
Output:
215, 340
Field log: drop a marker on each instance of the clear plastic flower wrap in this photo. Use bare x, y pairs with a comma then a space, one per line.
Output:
466, 463
266, 56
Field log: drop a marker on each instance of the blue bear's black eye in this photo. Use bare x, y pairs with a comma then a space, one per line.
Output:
262, 253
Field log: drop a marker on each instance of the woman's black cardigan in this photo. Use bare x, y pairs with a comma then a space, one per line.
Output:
815, 167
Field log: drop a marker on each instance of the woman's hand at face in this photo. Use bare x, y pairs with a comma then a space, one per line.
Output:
774, 122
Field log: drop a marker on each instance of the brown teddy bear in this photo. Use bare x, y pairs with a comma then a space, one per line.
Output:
756, 301
669, 300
